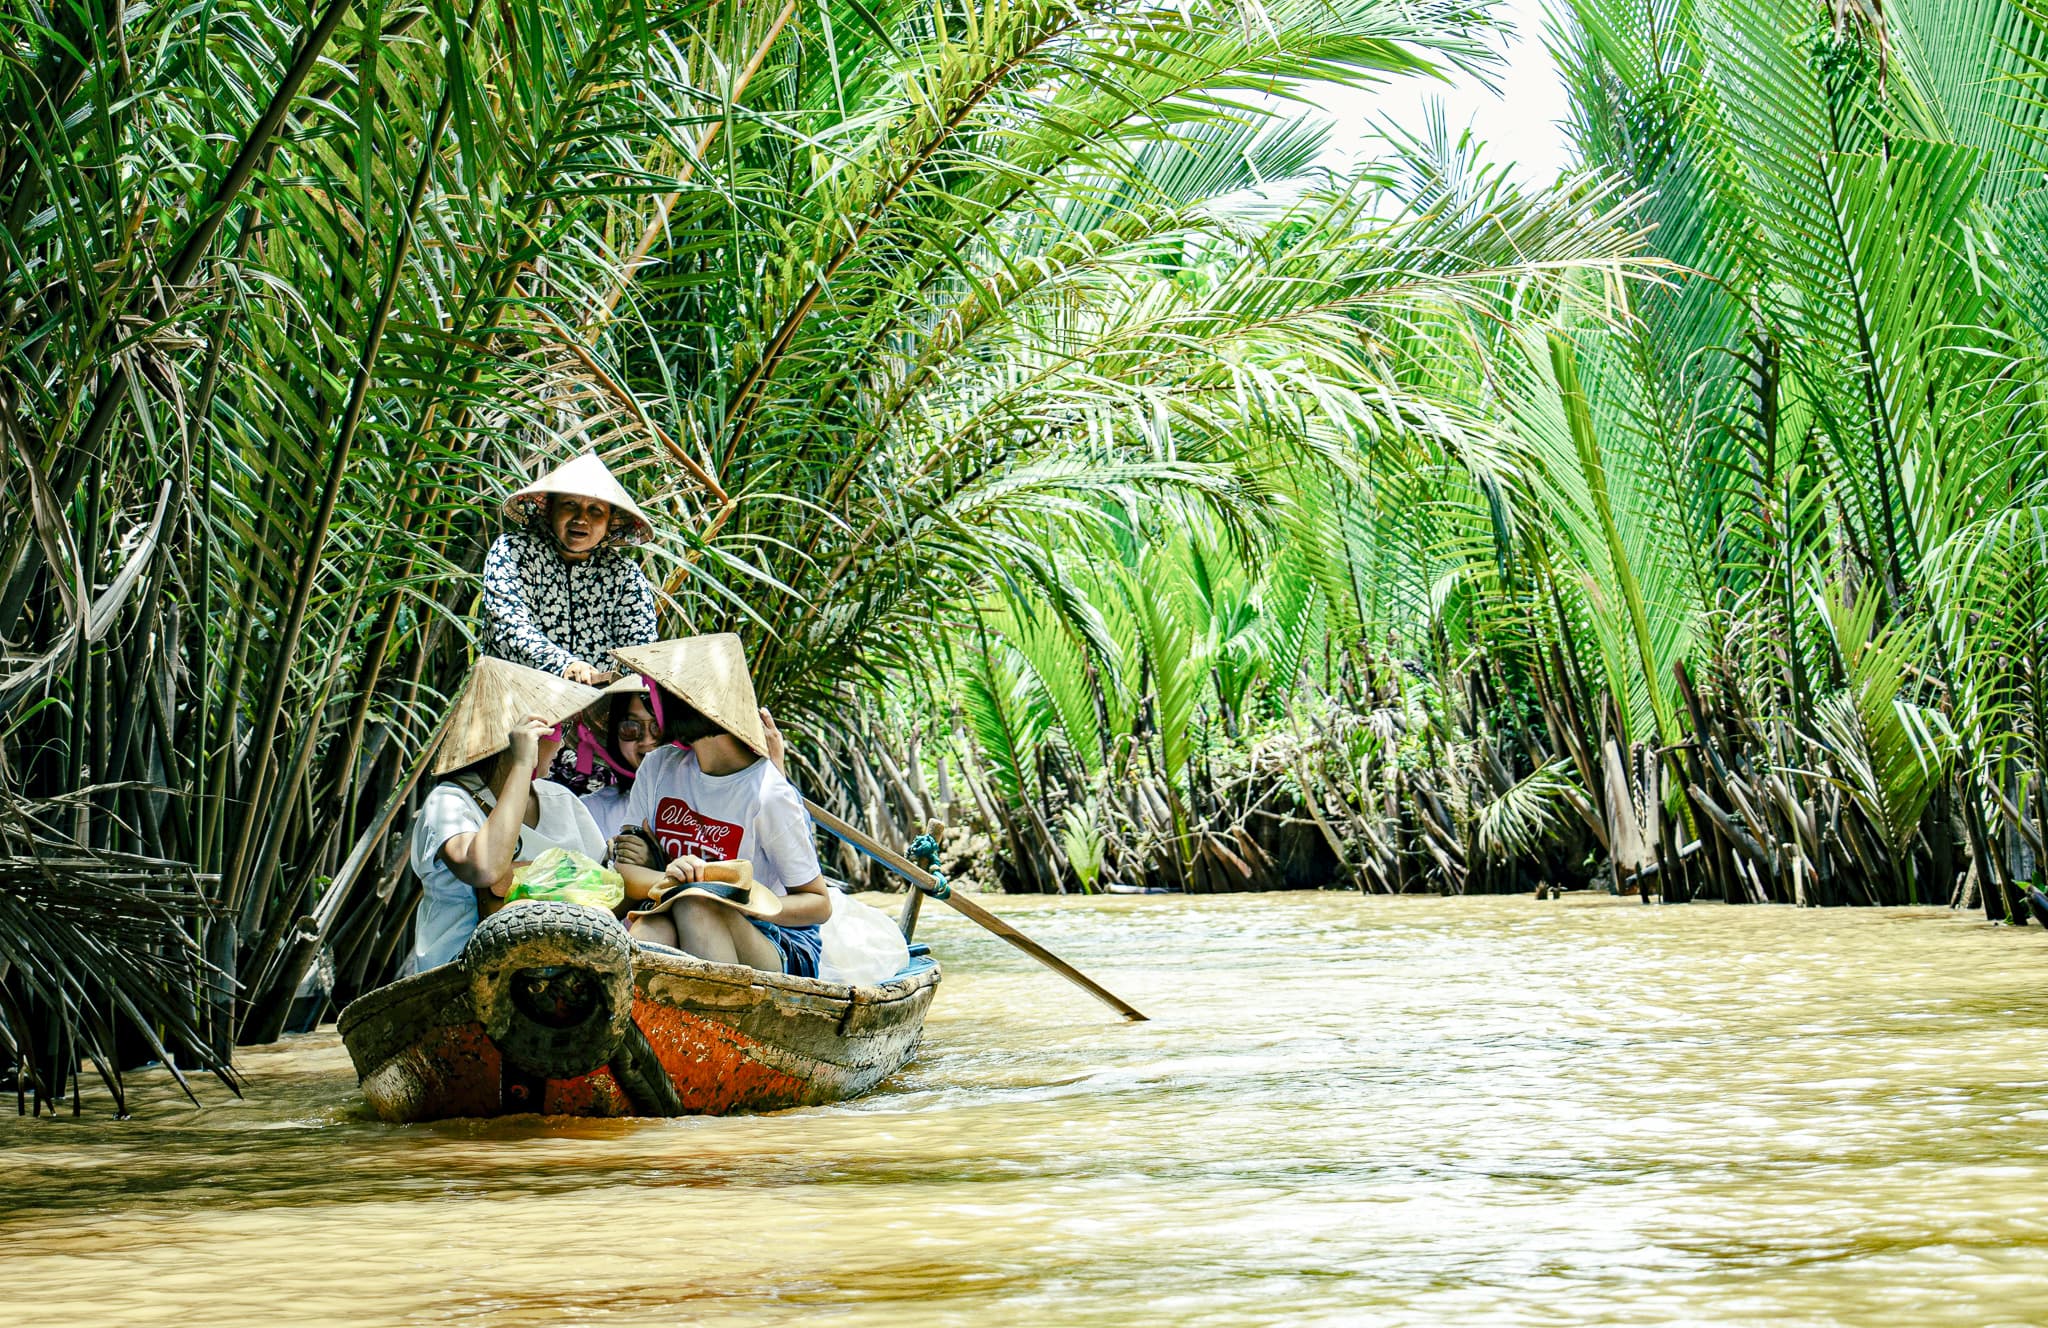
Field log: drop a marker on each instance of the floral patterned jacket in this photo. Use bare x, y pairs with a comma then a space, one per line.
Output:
543, 612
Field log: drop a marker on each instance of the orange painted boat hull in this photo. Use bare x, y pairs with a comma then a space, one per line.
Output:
728, 1038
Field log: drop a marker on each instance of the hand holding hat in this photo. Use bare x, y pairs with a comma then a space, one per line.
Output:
729, 883
686, 870
524, 739
498, 700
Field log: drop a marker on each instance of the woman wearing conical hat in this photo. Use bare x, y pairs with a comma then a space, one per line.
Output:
490, 808
559, 595
718, 798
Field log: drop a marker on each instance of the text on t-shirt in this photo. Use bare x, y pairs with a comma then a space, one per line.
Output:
682, 829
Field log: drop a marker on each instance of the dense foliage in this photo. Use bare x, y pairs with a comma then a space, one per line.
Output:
1726, 580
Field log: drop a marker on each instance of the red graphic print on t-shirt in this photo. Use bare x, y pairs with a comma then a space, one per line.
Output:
682, 830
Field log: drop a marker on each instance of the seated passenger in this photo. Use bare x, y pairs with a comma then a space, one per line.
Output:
490, 812
628, 734
717, 799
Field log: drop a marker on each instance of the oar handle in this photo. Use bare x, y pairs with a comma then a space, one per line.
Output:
972, 911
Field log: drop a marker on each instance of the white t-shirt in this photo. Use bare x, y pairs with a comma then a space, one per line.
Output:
607, 807
448, 912
753, 813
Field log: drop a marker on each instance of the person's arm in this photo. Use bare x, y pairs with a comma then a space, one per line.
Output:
447, 812
513, 628
806, 905
786, 843
641, 882
778, 749
682, 870
483, 860
630, 850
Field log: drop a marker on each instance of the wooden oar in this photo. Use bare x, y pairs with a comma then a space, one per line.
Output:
973, 912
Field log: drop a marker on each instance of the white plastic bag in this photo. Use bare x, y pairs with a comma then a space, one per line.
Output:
861, 943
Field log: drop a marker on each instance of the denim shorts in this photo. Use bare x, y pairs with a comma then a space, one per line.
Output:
800, 946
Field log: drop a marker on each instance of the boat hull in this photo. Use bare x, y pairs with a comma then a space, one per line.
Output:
727, 1038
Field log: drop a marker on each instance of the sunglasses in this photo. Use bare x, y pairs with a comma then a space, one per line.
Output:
633, 730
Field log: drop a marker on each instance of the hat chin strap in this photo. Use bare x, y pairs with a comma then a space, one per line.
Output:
589, 751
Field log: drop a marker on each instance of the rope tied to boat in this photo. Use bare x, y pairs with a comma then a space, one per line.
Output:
924, 850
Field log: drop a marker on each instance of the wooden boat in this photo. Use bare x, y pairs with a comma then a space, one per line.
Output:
553, 1009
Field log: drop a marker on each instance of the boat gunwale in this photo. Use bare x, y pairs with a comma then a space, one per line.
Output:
649, 962
679, 965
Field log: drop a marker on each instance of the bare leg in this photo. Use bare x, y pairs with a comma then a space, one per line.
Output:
656, 929
754, 949
700, 927
711, 931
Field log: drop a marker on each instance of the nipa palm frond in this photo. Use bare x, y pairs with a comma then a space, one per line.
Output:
1517, 822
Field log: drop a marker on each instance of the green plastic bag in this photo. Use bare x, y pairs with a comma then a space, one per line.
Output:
566, 875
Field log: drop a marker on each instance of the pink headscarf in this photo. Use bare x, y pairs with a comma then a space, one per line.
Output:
590, 750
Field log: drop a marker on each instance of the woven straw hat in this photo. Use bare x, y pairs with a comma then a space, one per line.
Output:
710, 672
729, 883
498, 695
585, 476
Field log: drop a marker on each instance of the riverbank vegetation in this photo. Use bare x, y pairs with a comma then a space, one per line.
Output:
1725, 585
1084, 469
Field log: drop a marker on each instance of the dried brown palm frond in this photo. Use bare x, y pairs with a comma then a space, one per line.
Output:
94, 943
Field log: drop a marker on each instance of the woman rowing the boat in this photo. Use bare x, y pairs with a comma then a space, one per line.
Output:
559, 592
490, 808
559, 595
718, 799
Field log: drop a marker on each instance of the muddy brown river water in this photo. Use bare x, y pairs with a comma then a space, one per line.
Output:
1345, 1112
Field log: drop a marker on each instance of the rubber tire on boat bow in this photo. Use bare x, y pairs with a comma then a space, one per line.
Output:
582, 945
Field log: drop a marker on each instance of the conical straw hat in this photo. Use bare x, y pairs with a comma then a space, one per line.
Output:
585, 476
710, 672
498, 695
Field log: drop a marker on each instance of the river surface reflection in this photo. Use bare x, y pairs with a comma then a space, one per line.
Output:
1345, 1112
